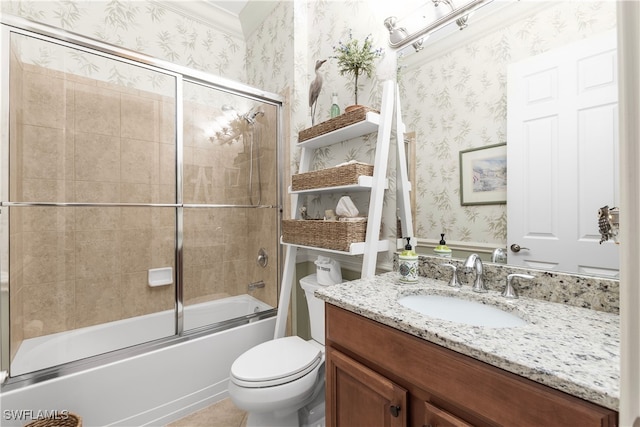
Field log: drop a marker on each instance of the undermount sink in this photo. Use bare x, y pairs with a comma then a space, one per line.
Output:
461, 311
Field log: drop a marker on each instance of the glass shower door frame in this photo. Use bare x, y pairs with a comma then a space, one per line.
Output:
9, 25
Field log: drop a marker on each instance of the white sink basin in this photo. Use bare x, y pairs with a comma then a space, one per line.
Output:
461, 311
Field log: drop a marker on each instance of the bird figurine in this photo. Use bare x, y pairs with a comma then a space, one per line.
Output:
314, 91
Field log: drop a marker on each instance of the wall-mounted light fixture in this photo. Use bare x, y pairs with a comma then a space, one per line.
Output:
397, 34
400, 38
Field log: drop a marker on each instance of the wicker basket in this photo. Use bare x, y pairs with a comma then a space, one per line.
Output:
332, 177
72, 420
330, 125
336, 235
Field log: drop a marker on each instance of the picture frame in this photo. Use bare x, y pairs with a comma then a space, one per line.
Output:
483, 175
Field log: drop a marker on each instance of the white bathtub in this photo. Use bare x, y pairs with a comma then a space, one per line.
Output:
55, 349
153, 388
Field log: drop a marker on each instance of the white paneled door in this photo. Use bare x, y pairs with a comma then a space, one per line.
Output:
562, 153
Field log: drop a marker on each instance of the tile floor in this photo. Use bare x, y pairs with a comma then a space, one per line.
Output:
221, 414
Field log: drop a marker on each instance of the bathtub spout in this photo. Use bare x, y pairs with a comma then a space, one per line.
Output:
255, 285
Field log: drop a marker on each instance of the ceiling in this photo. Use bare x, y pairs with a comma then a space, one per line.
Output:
232, 6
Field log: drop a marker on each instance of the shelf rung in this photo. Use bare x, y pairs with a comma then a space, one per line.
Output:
356, 248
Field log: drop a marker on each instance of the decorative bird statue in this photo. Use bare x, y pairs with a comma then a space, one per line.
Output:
314, 91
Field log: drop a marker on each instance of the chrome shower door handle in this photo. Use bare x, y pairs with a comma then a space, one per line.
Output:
517, 248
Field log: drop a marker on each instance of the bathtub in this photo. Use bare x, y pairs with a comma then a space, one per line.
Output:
161, 385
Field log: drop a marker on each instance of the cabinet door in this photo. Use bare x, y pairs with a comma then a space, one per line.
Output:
436, 417
360, 397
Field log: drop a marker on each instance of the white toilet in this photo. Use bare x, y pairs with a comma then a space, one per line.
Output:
280, 383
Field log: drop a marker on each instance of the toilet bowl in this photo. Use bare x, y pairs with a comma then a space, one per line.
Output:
281, 382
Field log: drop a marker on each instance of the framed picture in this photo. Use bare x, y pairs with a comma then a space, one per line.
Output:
483, 175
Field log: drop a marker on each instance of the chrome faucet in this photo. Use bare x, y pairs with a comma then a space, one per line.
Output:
474, 261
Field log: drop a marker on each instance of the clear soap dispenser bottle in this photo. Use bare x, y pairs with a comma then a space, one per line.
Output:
408, 264
335, 108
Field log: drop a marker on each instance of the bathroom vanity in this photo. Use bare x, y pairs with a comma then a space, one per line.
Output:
390, 365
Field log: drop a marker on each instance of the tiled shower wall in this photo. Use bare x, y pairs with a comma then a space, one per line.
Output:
75, 139
80, 140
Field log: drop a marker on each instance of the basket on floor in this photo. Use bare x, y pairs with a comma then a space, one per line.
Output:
330, 125
66, 420
331, 177
336, 235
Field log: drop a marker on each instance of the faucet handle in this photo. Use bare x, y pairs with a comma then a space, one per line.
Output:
454, 282
509, 290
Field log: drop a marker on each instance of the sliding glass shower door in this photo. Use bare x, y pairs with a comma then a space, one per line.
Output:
231, 211
91, 201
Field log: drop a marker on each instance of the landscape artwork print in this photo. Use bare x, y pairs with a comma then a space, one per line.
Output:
483, 175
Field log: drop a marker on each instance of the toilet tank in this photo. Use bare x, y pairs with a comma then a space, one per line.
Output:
316, 307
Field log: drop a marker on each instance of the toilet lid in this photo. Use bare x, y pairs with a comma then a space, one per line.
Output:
275, 362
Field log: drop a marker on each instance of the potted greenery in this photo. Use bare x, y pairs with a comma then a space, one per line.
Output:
356, 59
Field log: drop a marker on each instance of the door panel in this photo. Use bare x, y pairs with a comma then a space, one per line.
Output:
358, 396
562, 155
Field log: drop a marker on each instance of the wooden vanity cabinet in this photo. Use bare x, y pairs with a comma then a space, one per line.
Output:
380, 376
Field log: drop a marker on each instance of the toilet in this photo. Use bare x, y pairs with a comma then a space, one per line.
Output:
280, 383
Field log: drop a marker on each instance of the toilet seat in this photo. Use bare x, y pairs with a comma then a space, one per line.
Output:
275, 362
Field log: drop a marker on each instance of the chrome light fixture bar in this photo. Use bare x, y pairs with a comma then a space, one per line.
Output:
396, 41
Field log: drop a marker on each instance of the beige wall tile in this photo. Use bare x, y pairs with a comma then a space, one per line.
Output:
98, 300
97, 157
167, 121
136, 193
96, 192
138, 159
44, 190
49, 309
97, 254
135, 250
97, 218
44, 102
97, 110
44, 153
167, 164
48, 257
142, 299
163, 245
140, 118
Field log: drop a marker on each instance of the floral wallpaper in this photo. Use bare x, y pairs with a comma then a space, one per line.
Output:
457, 100
144, 26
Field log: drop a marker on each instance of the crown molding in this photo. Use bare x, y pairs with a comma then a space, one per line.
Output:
207, 14
254, 13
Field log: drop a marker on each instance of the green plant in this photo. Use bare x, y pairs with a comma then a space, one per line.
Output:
356, 58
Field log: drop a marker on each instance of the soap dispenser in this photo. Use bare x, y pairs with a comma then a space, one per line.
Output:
442, 249
408, 264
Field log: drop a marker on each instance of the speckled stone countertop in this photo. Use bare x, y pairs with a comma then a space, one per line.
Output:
572, 349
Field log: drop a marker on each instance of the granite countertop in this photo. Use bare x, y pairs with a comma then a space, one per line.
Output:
575, 350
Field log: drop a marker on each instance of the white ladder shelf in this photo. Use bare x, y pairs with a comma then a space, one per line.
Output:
376, 184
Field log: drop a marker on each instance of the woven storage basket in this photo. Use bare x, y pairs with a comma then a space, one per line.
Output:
332, 177
72, 420
336, 235
330, 125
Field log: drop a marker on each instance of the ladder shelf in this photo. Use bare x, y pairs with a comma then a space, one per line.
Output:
376, 185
